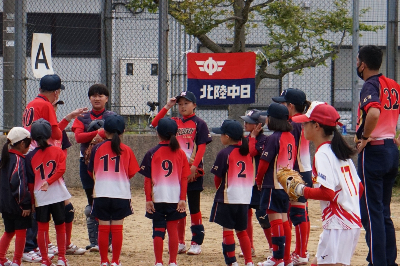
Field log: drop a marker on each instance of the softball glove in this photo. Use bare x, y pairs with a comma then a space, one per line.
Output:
292, 183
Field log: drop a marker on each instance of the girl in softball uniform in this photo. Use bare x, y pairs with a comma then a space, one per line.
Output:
193, 136
279, 151
15, 198
295, 101
336, 185
166, 170
46, 165
256, 140
234, 179
112, 164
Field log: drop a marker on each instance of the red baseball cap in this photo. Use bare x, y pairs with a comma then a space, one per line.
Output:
321, 113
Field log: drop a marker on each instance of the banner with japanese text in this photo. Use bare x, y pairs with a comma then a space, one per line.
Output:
222, 78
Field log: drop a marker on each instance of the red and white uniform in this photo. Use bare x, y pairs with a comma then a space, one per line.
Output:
40, 107
343, 212
112, 172
47, 165
168, 172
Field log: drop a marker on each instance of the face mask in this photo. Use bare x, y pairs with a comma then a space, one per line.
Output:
360, 74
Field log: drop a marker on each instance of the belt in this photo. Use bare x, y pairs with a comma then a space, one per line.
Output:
380, 142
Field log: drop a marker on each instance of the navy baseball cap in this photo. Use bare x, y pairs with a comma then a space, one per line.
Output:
51, 83
275, 110
41, 129
293, 96
167, 127
252, 116
187, 95
114, 124
232, 128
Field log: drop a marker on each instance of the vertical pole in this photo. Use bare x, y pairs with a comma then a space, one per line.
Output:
354, 76
391, 39
162, 54
8, 63
106, 55
20, 61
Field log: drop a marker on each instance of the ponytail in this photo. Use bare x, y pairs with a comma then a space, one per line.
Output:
244, 148
302, 108
338, 145
173, 143
42, 143
5, 155
116, 144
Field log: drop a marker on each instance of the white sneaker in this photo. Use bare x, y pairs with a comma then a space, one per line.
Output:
297, 260
105, 264
9, 263
271, 261
250, 264
51, 249
194, 250
235, 264
253, 254
172, 264
31, 256
62, 263
181, 248
52, 264
49, 255
74, 250
94, 249
116, 264
158, 264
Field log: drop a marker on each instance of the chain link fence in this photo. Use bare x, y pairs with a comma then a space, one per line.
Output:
104, 41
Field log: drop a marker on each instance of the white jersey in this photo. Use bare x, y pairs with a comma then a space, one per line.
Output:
343, 212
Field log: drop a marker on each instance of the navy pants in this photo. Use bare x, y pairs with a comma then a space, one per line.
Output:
377, 168
31, 236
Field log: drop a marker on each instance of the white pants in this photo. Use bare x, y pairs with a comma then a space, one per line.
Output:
337, 245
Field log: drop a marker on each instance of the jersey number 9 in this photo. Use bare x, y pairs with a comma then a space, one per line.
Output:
167, 166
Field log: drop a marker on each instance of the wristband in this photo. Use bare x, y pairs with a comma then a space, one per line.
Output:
364, 138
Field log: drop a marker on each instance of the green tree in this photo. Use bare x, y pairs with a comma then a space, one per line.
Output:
297, 37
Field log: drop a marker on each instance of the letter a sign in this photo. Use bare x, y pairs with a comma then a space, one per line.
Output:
41, 55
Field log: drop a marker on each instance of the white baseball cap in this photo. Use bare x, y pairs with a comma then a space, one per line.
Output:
17, 134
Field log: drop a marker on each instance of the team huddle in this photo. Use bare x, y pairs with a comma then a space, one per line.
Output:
272, 174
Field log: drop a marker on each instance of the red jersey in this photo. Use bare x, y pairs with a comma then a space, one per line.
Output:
40, 107
47, 165
167, 170
111, 172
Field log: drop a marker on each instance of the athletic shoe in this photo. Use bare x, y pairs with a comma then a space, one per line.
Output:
49, 255
181, 248
62, 263
7, 263
116, 264
271, 261
74, 250
91, 248
194, 250
158, 264
110, 248
253, 253
250, 264
234, 264
105, 264
288, 262
51, 249
48, 263
31, 256
172, 264
297, 260
14, 264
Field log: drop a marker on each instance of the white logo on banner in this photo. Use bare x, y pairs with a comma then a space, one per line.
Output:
210, 66
41, 55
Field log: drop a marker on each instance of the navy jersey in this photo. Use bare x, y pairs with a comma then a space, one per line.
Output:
237, 175
14, 193
279, 151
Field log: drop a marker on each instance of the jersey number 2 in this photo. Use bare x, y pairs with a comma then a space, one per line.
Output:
243, 166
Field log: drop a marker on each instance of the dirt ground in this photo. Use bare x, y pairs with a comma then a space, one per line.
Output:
138, 246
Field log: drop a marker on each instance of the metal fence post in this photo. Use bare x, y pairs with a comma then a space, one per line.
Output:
392, 39
163, 54
354, 77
